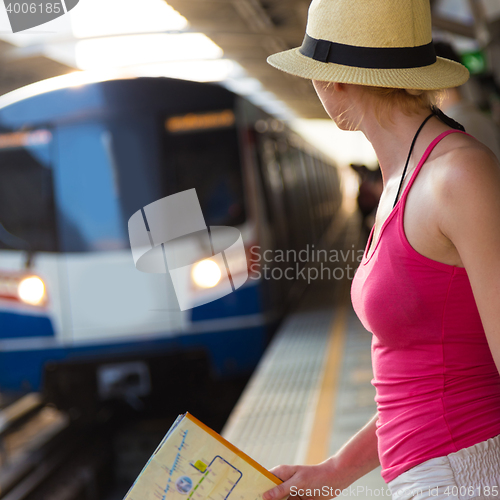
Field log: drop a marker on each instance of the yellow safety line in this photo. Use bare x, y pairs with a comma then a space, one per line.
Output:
325, 412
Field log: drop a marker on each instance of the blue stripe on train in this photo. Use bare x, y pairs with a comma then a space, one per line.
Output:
231, 352
14, 325
243, 301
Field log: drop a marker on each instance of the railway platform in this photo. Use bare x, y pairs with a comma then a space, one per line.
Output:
311, 390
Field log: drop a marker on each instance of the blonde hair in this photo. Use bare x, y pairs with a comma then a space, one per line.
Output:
407, 100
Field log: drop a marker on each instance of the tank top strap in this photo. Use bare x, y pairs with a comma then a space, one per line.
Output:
426, 154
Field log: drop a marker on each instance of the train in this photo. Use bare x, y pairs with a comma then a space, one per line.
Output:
77, 161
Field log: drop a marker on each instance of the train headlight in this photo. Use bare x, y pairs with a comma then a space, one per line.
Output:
206, 273
31, 290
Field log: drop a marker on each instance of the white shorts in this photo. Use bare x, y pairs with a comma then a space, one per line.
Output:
471, 473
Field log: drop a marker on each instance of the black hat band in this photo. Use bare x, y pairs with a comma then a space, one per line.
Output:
368, 57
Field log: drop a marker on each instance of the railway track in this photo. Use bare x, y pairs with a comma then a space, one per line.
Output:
47, 453
44, 456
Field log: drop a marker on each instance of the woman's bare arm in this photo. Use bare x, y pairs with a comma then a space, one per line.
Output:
469, 194
355, 459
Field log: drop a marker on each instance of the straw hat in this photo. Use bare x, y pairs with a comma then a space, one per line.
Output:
382, 43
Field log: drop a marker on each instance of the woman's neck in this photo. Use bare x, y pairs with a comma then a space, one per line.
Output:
392, 139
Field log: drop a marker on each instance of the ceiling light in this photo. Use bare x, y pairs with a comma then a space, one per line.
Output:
114, 17
129, 50
198, 71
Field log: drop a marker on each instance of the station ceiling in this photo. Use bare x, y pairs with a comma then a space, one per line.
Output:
249, 31
16, 72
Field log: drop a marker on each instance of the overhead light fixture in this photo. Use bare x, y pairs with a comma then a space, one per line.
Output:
95, 18
197, 71
244, 85
121, 51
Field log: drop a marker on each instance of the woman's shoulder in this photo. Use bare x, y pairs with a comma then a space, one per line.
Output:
457, 143
463, 191
464, 166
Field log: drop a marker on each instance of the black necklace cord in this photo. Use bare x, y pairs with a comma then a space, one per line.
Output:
447, 120
409, 155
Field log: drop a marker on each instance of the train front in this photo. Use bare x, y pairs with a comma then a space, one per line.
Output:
76, 164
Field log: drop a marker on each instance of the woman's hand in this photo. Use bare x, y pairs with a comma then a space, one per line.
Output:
302, 482
327, 479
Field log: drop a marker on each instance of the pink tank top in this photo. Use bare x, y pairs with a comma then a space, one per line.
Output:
437, 386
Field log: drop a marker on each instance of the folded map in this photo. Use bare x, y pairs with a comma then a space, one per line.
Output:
194, 463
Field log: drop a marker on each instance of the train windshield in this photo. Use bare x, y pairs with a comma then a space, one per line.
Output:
202, 153
74, 189
27, 208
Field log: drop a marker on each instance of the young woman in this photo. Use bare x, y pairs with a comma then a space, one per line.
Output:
428, 287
